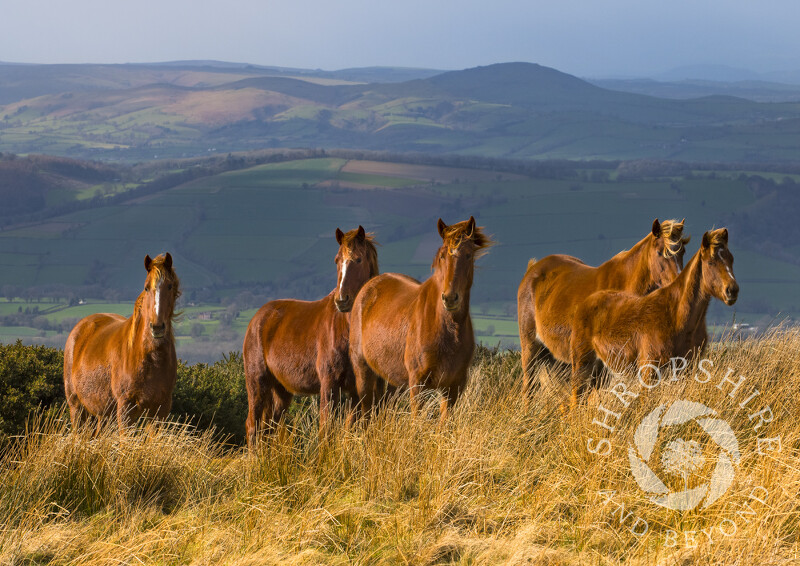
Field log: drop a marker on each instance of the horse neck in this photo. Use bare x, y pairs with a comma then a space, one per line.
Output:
689, 295
628, 270
136, 332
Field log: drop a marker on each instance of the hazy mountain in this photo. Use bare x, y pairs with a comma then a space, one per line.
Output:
519, 110
717, 73
758, 91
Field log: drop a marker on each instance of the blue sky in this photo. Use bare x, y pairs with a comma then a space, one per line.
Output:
583, 37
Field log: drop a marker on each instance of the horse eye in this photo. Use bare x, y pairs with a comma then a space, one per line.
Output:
358, 260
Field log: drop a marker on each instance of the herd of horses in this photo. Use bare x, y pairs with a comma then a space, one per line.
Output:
375, 333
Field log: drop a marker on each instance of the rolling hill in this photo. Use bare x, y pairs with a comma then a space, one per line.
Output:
516, 110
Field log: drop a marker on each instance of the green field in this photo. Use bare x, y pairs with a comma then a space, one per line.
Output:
269, 230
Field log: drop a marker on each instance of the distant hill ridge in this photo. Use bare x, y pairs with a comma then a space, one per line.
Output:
516, 110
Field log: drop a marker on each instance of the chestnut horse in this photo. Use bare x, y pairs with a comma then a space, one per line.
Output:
419, 334
553, 286
624, 330
295, 347
126, 365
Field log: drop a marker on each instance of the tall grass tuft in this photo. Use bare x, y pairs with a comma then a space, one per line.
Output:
504, 479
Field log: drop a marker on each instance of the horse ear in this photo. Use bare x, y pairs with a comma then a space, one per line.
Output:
148, 262
656, 228
442, 227
168, 261
706, 240
361, 235
725, 235
471, 226
339, 236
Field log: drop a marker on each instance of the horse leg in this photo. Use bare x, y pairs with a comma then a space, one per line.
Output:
329, 392
78, 416
128, 412
366, 385
281, 399
533, 350
583, 360
448, 401
260, 384
417, 383
258, 403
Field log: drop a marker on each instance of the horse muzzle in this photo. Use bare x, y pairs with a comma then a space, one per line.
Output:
158, 331
343, 305
451, 301
731, 294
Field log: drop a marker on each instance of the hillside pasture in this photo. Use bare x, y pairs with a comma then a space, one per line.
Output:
269, 229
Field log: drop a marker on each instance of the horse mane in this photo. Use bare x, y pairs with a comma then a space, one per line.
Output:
718, 238
456, 234
672, 231
369, 243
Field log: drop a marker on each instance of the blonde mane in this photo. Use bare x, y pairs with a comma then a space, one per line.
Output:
672, 231
456, 234
718, 238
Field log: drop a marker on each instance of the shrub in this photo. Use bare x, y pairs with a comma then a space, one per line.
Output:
213, 395
30, 377
206, 395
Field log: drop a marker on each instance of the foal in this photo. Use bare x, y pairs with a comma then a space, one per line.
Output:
553, 286
624, 330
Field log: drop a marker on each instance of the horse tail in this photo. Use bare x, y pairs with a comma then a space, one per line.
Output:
253, 351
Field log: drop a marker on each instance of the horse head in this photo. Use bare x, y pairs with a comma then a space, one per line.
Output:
356, 262
666, 250
161, 291
455, 261
717, 259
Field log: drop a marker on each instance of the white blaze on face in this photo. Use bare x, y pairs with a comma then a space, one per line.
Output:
344, 272
158, 297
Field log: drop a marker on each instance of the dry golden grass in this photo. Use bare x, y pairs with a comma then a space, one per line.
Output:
502, 481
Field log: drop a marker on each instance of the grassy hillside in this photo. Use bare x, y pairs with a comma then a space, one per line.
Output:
520, 110
501, 481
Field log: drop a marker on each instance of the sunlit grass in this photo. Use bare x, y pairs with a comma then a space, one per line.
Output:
503, 480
